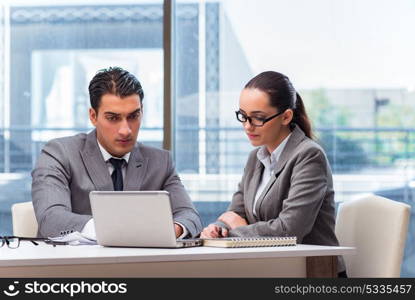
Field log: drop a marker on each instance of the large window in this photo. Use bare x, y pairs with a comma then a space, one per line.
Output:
350, 60
49, 51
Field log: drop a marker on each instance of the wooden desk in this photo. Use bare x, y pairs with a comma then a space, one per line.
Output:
96, 261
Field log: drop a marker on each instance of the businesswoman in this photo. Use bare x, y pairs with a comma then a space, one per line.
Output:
287, 187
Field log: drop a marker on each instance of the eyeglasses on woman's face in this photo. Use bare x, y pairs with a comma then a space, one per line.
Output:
255, 121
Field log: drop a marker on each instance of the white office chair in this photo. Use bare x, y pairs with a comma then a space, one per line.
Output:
377, 227
24, 220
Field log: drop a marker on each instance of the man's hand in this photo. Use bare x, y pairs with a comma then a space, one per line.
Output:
232, 219
213, 231
178, 229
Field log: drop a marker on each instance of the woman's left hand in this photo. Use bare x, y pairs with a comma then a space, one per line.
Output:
232, 219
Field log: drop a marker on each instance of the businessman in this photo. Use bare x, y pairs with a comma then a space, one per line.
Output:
107, 158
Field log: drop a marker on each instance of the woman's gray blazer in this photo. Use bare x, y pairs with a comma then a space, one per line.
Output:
298, 200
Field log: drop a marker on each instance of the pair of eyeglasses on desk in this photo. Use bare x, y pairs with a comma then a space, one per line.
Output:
13, 242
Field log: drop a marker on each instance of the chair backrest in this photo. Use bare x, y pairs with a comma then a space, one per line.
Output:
377, 227
24, 220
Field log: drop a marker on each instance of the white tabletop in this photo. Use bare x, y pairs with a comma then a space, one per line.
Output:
30, 255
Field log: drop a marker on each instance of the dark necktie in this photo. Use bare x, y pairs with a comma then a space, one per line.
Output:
117, 173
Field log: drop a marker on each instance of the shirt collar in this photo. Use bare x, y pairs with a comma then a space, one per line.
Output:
107, 156
270, 161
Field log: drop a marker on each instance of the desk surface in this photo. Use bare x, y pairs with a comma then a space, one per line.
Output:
30, 255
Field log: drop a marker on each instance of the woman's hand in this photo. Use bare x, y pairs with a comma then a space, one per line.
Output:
213, 231
232, 219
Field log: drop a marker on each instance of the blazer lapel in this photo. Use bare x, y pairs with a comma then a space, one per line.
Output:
251, 191
95, 165
137, 166
296, 137
264, 192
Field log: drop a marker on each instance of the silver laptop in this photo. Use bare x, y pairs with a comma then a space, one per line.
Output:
135, 219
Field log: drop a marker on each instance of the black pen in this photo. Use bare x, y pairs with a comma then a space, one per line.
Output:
220, 232
54, 243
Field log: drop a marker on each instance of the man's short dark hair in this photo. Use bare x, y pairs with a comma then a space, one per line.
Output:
114, 81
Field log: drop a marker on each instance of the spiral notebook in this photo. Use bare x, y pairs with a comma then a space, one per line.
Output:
238, 242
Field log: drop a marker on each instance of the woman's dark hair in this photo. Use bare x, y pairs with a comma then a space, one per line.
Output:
113, 81
282, 95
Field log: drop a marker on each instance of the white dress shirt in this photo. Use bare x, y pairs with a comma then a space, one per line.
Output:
270, 163
89, 228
